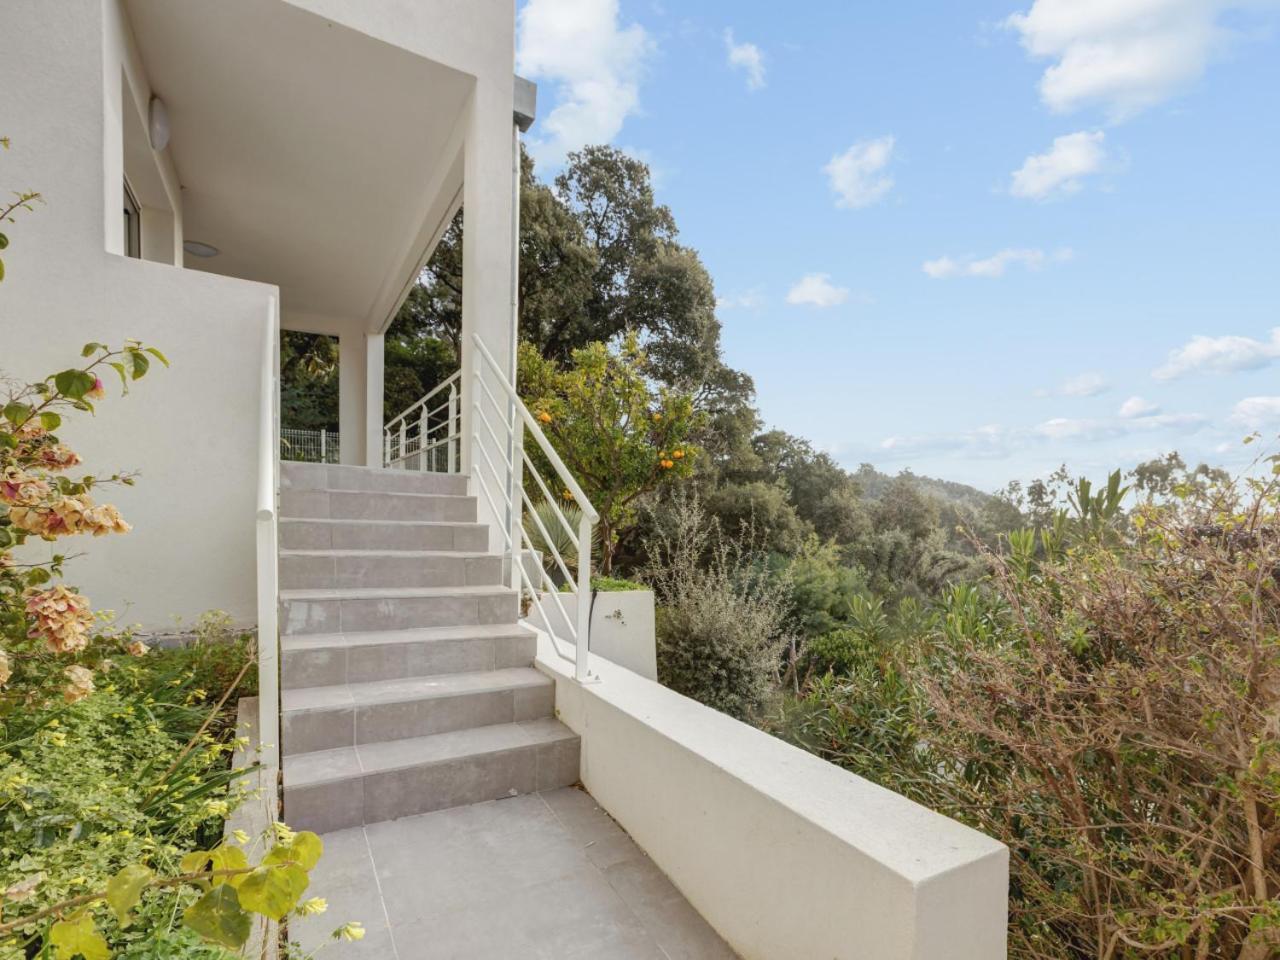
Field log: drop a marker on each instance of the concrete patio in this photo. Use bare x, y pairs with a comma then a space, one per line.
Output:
542, 875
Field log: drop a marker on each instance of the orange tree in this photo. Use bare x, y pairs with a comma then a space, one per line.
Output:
620, 435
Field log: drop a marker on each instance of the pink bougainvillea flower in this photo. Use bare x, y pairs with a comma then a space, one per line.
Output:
98, 391
61, 617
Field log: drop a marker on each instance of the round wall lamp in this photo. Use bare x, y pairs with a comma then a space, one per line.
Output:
158, 124
198, 249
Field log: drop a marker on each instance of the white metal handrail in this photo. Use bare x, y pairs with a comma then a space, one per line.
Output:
411, 440
509, 444
268, 575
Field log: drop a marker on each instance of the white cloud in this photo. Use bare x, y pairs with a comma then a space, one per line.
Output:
1084, 385
1058, 172
1257, 412
817, 290
1126, 55
746, 57
751, 300
857, 175
1136, 407
1220, 355
1107, 428
594, 63
993, 266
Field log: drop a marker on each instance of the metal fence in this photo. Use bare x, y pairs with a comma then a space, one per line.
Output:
311, 446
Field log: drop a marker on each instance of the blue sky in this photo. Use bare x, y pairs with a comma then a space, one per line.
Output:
974, 240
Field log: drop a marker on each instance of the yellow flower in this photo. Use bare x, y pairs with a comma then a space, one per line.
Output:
544, 417
666, 464
350, 931
240, 836
678, 454
312, 907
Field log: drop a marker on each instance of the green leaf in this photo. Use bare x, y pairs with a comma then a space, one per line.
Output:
4, 241
304, 850
158, 355
136, 363
218, 917
17, 413
50, 420
124, 377
228, 858
76, 936
124, 890
73, 383
194, 862
89, 348
273, 891
1, 269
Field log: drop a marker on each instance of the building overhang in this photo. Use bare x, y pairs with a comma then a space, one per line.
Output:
312, 156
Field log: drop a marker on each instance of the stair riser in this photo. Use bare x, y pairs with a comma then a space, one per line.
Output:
355, 505
326, 729
300, 573
435, 786
332, 666
312, 476
401, 613
317, 535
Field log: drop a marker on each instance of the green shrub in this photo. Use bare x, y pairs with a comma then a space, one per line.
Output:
616, 584
720, 622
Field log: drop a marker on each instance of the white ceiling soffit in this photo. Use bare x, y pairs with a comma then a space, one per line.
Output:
304, 149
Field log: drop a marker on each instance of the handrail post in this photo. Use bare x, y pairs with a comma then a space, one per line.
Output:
424, 434
581, 666
267, 570
404, 433
453, 431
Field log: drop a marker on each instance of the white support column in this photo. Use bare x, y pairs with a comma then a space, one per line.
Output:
375, 363
352, 374
488, 245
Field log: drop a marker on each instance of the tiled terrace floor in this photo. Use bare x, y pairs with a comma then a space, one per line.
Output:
537, 877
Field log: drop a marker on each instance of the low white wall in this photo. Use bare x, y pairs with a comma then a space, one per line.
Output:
786, 855
623, 628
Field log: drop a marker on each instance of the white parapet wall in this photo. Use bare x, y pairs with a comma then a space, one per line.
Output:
787, 856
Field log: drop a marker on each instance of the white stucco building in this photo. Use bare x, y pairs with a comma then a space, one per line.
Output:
216, 170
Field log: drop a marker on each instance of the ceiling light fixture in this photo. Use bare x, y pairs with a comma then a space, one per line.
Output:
198, 249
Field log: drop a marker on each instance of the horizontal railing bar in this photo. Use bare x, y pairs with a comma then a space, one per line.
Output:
547, 495
555, 552
583, 503
453, 378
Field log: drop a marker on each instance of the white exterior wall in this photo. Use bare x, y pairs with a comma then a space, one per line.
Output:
189, 431
786, 855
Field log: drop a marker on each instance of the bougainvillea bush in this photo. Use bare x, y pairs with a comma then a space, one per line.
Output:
114, 773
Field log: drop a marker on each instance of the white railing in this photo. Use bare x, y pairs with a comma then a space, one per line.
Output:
268, 579
427, 436
516, 505
310, 446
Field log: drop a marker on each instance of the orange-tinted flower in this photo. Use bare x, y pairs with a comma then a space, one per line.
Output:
79, 684
677, 454
136, 648
62, 618
544, 417
666, 464
6, 671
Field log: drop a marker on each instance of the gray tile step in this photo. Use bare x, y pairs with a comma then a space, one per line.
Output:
315, 660
371, 505
396, 568
350, 786
317, 476
352, 609
319, 533
324, 718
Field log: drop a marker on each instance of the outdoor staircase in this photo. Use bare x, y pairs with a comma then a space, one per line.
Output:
407, 684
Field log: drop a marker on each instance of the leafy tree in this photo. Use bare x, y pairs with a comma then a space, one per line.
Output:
620, 436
